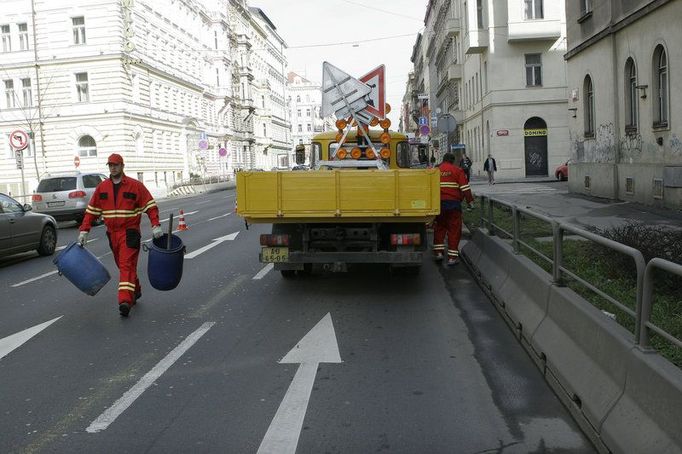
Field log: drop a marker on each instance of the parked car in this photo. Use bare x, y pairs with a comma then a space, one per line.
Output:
300, 167
65, 196
21, 230
561, 172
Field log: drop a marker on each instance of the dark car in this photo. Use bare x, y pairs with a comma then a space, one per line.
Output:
301, 167
561, 172
22, 230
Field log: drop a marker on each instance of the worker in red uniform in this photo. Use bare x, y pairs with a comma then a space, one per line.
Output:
121, 200
454, 189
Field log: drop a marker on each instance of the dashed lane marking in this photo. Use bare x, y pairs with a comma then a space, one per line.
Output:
264, 271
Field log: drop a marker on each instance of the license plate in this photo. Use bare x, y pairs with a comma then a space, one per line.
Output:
274, 254
55, 204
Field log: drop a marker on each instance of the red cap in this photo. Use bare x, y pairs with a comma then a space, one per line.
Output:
115, 158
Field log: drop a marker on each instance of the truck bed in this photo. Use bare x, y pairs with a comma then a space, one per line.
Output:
328, 196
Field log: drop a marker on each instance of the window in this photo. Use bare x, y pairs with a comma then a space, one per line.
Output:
479, 13
533, 70
585, 6
533, 9
631, 104
27, 92
298, 98
298, 112
217, 77
215, 39
662, 99
300, 128
78, 30
23, 37
265, 130
6, 38
87, 147
82, 87
307, 113
310, 128
9, 94
589, 106
262, 100
91, 181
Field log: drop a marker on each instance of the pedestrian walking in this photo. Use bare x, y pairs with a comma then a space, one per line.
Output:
490, 166
454, 189
465, 164
120, 201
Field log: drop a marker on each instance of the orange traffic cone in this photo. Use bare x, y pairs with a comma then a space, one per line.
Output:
181, 223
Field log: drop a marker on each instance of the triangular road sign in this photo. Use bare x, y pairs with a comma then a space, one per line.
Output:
341, 93
376, 79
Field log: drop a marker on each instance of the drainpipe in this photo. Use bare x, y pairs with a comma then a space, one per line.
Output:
40, 102
616, 116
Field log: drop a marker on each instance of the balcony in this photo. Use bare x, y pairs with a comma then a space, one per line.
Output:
476, 42
452, 27
534, 30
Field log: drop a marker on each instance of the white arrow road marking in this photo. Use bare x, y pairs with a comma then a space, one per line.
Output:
216, 241
218, 217
33, 279
318, 346
110, 414
14, 341
266, 269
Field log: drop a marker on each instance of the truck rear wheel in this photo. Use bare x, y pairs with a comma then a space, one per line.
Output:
412, 270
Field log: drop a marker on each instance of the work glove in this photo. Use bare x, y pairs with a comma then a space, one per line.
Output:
83, 237
157, 232
472, 206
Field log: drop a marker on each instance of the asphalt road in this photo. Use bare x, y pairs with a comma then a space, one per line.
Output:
238, 359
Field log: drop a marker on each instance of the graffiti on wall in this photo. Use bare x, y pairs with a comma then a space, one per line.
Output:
630, 146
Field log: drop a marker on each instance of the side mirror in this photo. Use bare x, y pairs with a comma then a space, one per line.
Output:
27, 207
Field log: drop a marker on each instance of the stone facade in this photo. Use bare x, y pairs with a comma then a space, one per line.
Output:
627, 102
305, 102
168, 84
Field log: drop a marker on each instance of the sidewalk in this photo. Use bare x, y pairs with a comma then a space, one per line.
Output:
551, 198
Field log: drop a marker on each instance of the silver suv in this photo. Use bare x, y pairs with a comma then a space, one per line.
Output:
65, 196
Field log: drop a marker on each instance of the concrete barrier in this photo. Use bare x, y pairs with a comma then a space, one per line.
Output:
586, 351
648, 416
201, 188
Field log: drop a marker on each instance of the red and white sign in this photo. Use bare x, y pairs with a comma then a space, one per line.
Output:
18, 139
76, 161
502, 132
376, 79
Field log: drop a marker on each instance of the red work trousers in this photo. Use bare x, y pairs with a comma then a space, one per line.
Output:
125, 244
447, 222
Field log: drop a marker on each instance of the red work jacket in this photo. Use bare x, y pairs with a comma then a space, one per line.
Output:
454, 184
132, 200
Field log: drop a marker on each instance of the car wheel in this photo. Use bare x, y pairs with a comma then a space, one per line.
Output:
48, 241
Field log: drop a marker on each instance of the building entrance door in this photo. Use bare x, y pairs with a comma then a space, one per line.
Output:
535, 145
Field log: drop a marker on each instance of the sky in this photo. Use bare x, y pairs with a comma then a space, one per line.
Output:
307, 26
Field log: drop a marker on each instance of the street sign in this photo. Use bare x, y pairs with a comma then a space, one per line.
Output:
222, 152
424, 130
423, 121
376, 80
77, 161
341, 93
18, 139
447, 124
423, 96
502, 132
203, 144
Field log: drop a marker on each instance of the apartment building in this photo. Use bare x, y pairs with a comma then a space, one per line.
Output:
497, 67
166, 83
625, 101
305, 102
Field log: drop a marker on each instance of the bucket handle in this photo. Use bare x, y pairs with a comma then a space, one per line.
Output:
145, 247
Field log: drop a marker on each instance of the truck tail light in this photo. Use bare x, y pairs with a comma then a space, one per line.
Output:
274, 240
77, 194
406, 239
36, 198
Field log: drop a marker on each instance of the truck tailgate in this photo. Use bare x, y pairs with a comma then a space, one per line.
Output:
321, 196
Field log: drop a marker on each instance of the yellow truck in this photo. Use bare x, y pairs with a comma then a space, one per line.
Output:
358, 204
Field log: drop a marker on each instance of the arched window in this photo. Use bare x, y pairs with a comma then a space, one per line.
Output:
631, 106
589, 106
298, 98
661, 91
87, 147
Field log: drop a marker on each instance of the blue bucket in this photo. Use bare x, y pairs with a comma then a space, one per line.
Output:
82, 269
164, 266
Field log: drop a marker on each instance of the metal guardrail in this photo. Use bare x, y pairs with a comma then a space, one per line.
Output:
644, 292
200, 180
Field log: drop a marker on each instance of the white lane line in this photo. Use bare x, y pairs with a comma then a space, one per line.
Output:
16, 340
221, 216
110, 414
264, 271
28, 281
202, 202
215, 242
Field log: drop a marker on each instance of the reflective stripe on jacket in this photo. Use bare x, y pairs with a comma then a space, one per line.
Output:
125, 212
454, 184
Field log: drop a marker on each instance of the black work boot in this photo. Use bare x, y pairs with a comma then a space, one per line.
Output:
124, 309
